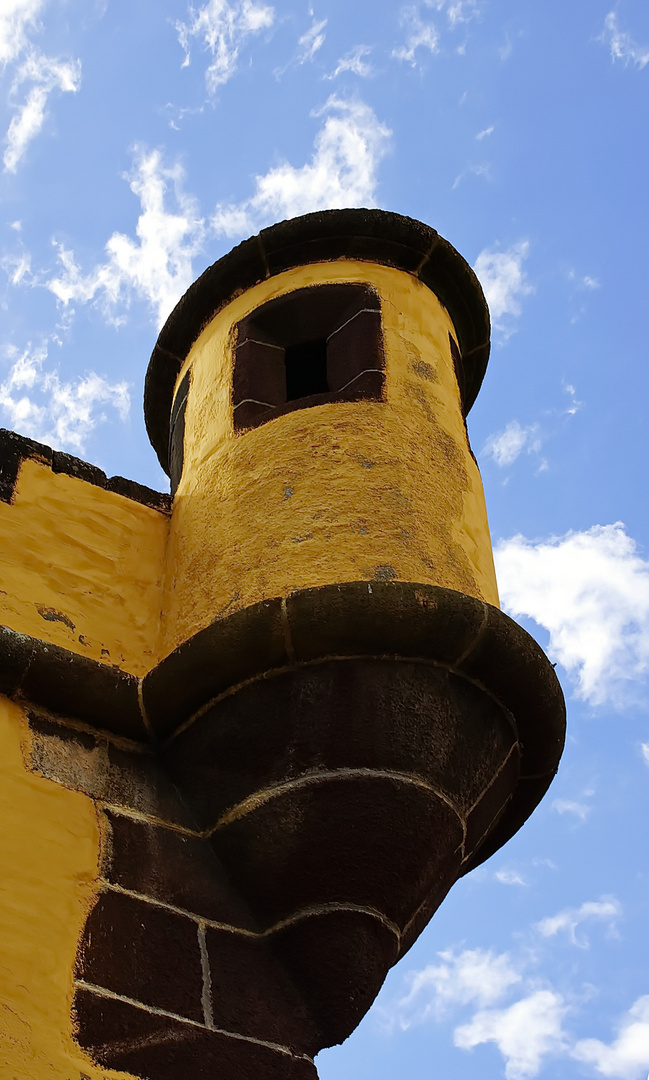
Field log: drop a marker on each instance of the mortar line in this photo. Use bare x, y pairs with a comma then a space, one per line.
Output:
474, 640
493, 779
145, 718
206, 996
101, 991
246, 806
286, 627
444, 665
304, 913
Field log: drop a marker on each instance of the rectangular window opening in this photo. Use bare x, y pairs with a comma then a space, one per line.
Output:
306, 369
314, 346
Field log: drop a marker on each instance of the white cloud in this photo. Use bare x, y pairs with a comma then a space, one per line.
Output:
342, 172
505, 446
485, 132
590, 590
574, 405
462, 11
421, 35
509, 877
353, 61
47, 75
311, 41
585, 283
16, 18
425, 35
473, 976
62, 414
571, 806
17, 266
645, 752
504, 282
627, 1057
525, 1033
157, 266
483, 169
622, 45
606, 910
223, 28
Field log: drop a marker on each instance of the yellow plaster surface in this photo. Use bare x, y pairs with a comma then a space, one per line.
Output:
82, 567
49, 855
338, 492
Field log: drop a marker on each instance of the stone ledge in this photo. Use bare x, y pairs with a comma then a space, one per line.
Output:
63, 682
394, 620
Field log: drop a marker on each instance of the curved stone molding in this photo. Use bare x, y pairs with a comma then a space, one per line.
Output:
100, 696
469, 638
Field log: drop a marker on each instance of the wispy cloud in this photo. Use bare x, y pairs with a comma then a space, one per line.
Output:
627, 1057
622, 45
590, 590
423, 34
45, 75
353, 61
583, 282
35, 401
17, 18
17, 266
574, 405
507, 445
482, 169
222, 28
342, 172
510, 877
509, 1006
420, 35
157, 265
645, 752
460, 11
525, 1033
485, 133
312, 40
579, 810
504, 281
41, 74
606, 910
473, 976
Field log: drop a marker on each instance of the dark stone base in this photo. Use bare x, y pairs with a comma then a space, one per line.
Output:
156, 1047
327, 766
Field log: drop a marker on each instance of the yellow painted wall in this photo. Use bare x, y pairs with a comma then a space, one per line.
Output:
49, 858
334, 493
82, 567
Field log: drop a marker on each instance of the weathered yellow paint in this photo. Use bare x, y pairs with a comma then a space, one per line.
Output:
49, 856
334, 493
82, 567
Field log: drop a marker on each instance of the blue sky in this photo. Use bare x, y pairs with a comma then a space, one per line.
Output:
142, 141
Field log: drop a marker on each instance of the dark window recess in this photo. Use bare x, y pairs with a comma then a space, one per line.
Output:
306, 369
177, 432
456, 356
316, 345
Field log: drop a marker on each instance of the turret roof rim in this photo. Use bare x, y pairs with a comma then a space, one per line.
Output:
361, 234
